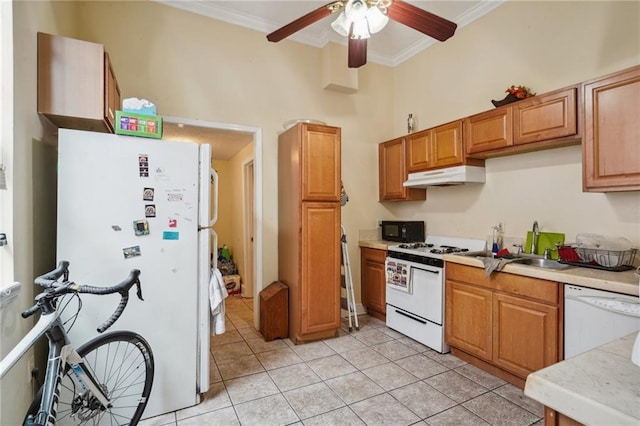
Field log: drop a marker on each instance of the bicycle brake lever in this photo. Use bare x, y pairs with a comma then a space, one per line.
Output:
139, 290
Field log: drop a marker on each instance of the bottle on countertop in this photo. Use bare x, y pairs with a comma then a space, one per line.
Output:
411, 123
497, 234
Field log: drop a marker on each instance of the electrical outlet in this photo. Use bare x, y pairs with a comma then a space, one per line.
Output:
31, 364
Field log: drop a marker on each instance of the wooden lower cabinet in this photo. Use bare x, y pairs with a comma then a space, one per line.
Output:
316, 307
553, 418
507, 324
373, 282
468, 319
525, 334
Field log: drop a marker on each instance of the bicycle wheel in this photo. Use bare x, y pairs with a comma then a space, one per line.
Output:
122, 364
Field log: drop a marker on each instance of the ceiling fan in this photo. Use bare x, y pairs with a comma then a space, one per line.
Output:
358, 19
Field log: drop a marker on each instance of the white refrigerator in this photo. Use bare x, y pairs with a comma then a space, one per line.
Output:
136, 203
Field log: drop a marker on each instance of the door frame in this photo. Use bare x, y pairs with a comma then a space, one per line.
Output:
257, 194
249, 223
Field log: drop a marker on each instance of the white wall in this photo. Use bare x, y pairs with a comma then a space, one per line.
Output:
542, 45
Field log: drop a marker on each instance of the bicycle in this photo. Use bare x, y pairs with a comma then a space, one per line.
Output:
107, 380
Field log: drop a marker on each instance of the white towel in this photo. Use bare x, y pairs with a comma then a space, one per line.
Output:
217, 294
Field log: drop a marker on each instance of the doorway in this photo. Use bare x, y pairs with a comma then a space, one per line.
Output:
227, 140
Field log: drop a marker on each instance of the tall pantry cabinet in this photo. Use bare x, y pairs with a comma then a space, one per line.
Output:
309, 229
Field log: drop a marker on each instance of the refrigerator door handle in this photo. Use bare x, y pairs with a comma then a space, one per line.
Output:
214, 180
214, 236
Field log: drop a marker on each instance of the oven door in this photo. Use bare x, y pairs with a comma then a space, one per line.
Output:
424, 297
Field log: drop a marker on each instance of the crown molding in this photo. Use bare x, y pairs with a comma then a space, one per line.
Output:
221, 13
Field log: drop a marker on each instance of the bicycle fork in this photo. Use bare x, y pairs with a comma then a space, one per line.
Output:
85, 389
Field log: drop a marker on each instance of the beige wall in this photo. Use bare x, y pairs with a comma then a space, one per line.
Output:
196, 67
545, 46
238, 237
30, 225
200, 68
223, 226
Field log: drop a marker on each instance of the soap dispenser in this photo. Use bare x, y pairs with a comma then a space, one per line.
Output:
496, 238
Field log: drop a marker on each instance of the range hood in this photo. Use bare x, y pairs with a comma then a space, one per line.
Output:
448, 176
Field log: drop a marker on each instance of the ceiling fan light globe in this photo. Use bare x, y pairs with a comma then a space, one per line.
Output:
360, 29
356, 10
341, 25
376, 19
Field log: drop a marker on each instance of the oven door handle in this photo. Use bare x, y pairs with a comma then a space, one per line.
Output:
428, 270
410, 317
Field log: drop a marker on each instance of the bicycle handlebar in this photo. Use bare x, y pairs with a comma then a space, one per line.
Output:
56, 289
50, 278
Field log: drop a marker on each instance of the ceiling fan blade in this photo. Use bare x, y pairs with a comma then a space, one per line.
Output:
302, 22
421, 20
357, 52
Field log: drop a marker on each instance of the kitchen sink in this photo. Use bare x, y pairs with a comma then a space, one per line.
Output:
521, 259
541, 263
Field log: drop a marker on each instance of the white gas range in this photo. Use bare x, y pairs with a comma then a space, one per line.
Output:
415, 287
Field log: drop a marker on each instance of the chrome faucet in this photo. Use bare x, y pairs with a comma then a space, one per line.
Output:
534, 235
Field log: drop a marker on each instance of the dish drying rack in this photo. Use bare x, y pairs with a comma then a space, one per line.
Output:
608, 260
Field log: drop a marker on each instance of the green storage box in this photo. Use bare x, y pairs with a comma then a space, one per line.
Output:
133, 124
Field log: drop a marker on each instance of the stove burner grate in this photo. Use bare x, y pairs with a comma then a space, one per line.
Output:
448, 249
415, 245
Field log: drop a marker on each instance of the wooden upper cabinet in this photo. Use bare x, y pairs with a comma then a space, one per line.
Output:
77, 88
437, 147
447, 145
611, 144
112, 98
541, 122
489, 130
320, 163
392, 173
419, 151
553, 115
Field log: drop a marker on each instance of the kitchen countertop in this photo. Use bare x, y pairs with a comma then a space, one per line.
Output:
600, 387
620, 282
375, 244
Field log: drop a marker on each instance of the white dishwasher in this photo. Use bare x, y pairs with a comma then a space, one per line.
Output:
595, 317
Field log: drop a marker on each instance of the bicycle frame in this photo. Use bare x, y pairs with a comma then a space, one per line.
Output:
61, 353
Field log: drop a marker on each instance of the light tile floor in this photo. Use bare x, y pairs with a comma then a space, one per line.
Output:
371, 376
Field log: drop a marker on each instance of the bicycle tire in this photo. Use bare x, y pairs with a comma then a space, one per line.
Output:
113, 358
